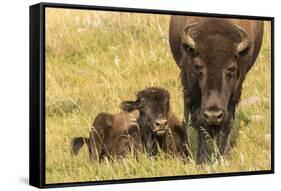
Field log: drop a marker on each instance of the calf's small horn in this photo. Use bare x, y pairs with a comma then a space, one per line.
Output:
186, 38
245, 41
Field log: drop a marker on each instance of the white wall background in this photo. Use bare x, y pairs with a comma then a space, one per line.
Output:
14, 75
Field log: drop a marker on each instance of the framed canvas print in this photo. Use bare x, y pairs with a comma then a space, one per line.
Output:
123, 95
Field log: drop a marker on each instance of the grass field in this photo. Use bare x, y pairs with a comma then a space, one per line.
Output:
96, 59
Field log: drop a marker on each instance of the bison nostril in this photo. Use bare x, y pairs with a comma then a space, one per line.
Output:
161, 123
220, 115
213, 117
206, 116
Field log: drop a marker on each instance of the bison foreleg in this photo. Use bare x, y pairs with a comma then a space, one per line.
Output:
185, 123
95, 143
223, 139
202, 153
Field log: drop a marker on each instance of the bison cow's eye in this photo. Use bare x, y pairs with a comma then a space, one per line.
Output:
231, 71
198, 68
189, 50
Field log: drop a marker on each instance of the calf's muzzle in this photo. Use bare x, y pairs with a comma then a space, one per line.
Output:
160, 126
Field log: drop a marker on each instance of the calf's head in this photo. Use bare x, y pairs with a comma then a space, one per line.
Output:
212, 51
153, 104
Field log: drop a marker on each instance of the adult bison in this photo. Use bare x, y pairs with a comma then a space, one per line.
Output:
214, 56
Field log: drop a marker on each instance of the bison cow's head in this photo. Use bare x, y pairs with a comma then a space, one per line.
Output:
153, 104
213, 51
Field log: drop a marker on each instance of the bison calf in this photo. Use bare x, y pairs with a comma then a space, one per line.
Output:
159, 127
110, 135
145, 124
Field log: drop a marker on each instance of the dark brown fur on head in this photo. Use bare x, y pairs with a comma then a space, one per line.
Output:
154, 93
153, 104
217, 39
210, 68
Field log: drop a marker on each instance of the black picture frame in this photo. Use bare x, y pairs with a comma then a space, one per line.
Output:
37, 94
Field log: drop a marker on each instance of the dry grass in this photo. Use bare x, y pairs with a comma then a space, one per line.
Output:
97, 59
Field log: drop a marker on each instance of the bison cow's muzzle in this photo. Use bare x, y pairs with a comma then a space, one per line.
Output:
160, 126
213, 117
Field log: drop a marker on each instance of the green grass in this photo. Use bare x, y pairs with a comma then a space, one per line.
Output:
96, 59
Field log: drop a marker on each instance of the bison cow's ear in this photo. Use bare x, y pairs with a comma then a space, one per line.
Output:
129, 105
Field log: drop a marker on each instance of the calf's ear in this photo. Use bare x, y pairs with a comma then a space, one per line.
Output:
129, 105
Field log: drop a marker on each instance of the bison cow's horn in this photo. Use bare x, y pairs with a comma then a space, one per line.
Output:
245, 41
186, 38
